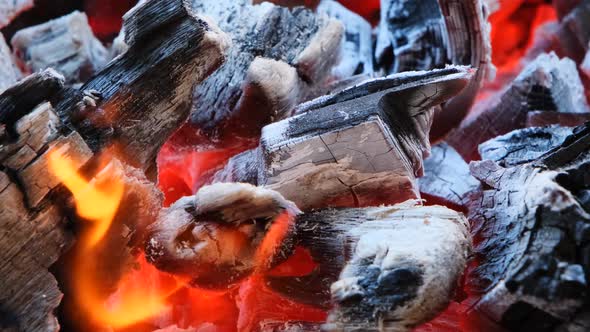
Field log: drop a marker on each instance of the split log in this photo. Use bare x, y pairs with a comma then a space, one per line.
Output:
546, 84
66, 44
356, 56
533, 256
279, 59
362, 146
430, 34
36, 211
446, 178
10, 9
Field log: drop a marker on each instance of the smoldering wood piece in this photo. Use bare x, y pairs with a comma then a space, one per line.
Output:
546, 84
580, 323
523, 145
280, 57
548, 118
533, 257
186, 238
9, 73
574, 31
290, 327
422, 35
362, 146
242, 168
356, 56
23, 97
143, 96
10, 9
564, 7
372, 263
573, 151
446, 177
66, 44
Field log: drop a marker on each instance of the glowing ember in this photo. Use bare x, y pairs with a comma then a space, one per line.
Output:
98, 201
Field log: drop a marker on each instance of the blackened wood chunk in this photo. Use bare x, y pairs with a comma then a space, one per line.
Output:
356, 56
549, 118
143, 96
533, 255
10, 9
23, 97
66, 44
280, 57
373, 263
546, 84
574, 32
362, 146
242, 168
447, 177
524, 145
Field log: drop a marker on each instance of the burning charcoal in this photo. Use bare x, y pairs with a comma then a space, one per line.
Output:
422, 35
524, 145
10, 9
65, 44
447, 177
118, 104
358, 147
547, 84
241, 168
35, 209
214, 237
9, 73
280, 58
534, 259
374, 259
548, 118
357, 49
564, 7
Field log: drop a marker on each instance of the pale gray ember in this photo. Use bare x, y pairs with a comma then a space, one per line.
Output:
547, 84
523, 145
356, 56
447, 177
65, 44
362, 146
280, 57
9, 72
10, 9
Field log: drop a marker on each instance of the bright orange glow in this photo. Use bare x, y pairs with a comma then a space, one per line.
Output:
98, 201
273, 240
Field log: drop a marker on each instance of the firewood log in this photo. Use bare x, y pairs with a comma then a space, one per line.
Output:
123, 105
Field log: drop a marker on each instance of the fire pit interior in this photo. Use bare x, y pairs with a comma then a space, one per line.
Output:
285, 165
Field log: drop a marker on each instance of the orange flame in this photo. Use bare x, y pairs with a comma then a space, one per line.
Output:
98, 201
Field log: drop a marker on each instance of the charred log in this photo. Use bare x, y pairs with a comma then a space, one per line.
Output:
547, 84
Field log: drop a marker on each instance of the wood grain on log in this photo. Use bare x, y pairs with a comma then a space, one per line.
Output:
279, 59
546, 84
66, 44
361, 146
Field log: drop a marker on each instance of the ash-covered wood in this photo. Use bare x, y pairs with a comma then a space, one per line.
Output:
143, 96
422, 35
9, 73
361, 146
66, 44
546, 84
523, 145
212, 238
585, 66
279, 58
532, 219
10, 9
136, 101
242, 168
356, 56
374, 266
446, 177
